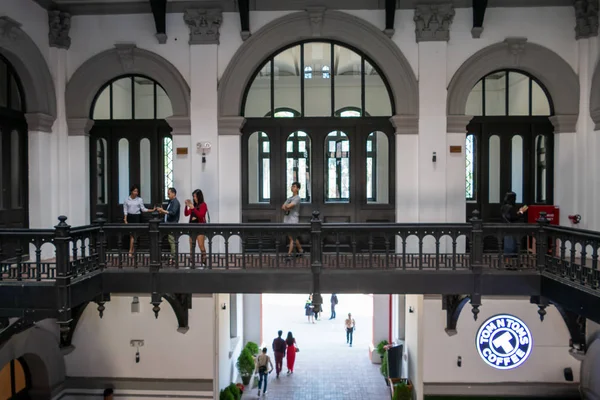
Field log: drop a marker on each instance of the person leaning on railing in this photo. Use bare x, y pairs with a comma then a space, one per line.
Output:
510, 215
133, 207
171, 214
198, 213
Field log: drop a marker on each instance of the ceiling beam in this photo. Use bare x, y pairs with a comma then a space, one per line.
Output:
390, 16
159, 10
479, 7
244, 10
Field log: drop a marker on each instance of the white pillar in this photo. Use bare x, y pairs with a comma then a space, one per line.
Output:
414, 342
65, 192
432, 132
205, 175
252, 318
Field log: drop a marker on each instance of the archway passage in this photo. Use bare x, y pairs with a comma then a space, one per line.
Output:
131, 145
318, 113
509, 144
15, 380
13, 153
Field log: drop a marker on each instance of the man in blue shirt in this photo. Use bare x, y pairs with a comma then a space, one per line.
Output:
171, 214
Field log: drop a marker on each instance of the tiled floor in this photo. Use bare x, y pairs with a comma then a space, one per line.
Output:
326, 367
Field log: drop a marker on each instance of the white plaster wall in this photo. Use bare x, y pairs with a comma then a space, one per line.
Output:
34, 20
548, 358
415, 342
381, 317
102, 347
252, 318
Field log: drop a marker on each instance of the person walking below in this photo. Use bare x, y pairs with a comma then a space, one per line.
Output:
350, 326
308, 310
292, 348
263, 361
279, 351
334, 301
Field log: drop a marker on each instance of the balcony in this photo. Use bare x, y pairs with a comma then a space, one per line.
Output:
48, 272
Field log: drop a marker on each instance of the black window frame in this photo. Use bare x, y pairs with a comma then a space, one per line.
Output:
6, 84
296, 155
109, 84
372, 138
335, 137
507, 72
24, 393
475, 163
263, 137
271, 66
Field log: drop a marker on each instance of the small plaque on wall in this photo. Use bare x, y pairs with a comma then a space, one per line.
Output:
182, 151
455, 149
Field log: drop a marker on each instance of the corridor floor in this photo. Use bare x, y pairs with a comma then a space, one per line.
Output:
326, 367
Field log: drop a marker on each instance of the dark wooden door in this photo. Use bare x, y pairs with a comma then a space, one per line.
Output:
124, 153
511, 154
14, 179
335, 160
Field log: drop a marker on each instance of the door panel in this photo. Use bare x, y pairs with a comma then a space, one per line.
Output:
506, 160
14, 180
333, 155
125, 153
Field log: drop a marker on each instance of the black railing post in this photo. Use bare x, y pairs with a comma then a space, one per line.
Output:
154, 234
316, 257
541, 241
101, 243
62, 239
476, 241
476, 261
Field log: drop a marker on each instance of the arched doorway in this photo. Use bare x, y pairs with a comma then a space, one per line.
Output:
130, 144
509, 144
13, 150
15, 380
318, 112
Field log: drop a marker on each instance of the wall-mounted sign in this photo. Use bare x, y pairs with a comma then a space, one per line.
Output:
504, 342
182, 151
455, 149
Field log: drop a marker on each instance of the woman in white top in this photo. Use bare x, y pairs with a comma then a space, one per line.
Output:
133, 207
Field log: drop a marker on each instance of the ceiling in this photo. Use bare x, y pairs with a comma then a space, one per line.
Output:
103, 7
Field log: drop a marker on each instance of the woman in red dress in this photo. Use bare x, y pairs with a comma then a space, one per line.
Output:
290, 341
197, 213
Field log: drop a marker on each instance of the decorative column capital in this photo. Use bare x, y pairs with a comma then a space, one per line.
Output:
180, 125
79, 126
204, 25
39, 122
564, 123
586, 18
405, 124
457, 123
231, 125
59, 23
433, 21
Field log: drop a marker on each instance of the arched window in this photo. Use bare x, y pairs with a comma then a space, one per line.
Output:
317, 78
14, 380
132, 145
132, 97
508, 93
507, 142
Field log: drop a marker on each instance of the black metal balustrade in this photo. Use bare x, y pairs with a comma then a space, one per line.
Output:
51, 254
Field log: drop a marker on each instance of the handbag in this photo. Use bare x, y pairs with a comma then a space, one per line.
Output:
297, 350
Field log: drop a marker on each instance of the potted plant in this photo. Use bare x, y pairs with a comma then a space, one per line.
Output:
384, 368
381, 348
402, 391
253, 347
245, 365
235, 390
226, 394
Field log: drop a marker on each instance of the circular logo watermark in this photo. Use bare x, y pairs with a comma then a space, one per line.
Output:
504, 342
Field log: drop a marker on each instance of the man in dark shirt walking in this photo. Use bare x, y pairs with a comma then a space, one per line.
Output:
334, 301
279, 351
171, 214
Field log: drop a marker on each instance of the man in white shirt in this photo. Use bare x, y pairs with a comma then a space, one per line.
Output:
350, 326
